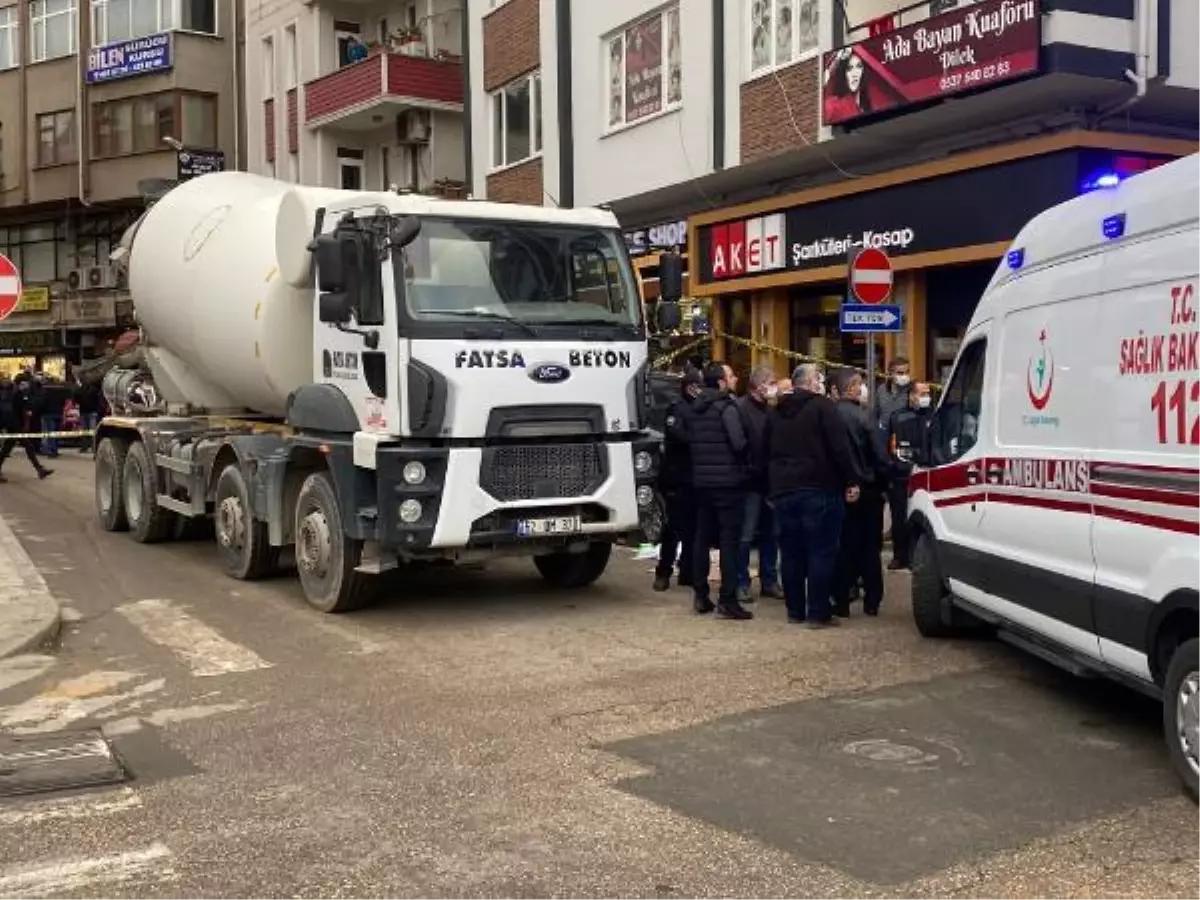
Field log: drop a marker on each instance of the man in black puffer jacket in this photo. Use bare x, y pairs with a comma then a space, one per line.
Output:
719, 448
675, 482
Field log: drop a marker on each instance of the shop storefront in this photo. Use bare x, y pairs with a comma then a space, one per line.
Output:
776, 269
645, 245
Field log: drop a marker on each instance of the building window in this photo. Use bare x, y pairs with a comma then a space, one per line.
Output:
642, 78
51, 29
142, 124
199, 115
517, 121
350, 48
268, 71
9, 38
350, 169
121, 20
291, 61
782, 32
56, 138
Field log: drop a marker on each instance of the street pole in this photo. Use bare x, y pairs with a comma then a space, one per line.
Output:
869, 381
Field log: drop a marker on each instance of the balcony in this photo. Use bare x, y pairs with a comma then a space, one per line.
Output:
357, 96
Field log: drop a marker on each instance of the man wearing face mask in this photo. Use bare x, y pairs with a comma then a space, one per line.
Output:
906, 432
862, 528
758, 525
893, 395
675, 482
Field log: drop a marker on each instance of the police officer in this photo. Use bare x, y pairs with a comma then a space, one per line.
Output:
719, 447
675, 482
906, 432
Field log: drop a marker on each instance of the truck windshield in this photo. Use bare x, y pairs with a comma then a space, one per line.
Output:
533, 274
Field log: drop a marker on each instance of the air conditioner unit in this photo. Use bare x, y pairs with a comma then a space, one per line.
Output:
100, 278
413, 126
77, 280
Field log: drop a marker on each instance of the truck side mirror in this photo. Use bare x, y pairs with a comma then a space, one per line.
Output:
327, 253
405, 231
334, 308
667, 315
670, 277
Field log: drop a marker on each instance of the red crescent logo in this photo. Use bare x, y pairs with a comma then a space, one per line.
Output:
1040, 403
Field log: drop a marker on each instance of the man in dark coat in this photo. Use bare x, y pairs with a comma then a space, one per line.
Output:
16, 416
906, 433
718, 444
758, 526
675, 482
859, 554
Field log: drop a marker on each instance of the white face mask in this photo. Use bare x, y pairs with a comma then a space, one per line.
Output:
863, 393
902, 380
771, 392
820, 388
924, 402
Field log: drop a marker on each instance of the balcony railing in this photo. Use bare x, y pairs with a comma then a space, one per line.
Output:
384, 78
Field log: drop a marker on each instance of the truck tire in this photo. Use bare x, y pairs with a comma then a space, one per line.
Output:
928, 591
1181, 694
149, 523
110, 484
242, 543
326, 558
574, 570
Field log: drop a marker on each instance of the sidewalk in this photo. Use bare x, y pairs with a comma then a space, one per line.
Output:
29, 614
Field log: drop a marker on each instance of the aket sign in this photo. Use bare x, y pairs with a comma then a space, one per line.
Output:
748, 247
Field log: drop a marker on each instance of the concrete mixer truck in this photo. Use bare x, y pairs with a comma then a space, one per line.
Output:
363, 380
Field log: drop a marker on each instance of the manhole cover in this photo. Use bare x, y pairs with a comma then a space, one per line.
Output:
42, 765
907, 752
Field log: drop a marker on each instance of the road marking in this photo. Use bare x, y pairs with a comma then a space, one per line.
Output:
161, 717
80, 807
17, 669
74, 699
204, 650
153, 863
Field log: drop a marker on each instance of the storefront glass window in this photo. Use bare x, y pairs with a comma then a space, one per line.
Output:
739, 325
815, 330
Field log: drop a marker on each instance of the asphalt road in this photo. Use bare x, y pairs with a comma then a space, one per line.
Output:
477, 734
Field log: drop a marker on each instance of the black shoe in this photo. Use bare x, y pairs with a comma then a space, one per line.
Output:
773, 591
662, 582
842, 612
734, 611
684, 582
43, 474
896, 565
743, 595
702, 606
793, 620
3, 479
818, 624
872, 612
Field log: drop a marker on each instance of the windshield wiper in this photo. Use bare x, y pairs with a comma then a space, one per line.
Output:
491, 317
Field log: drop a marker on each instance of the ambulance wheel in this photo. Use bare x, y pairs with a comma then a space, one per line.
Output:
242, 544
110, 484
1181, 704
574, 570
149, 523
930, 596
326, 558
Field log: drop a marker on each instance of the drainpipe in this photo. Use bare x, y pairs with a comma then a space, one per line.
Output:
23, 102
83, 9
235, 50
1140, 74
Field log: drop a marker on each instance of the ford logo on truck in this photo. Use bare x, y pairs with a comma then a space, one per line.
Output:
550, 373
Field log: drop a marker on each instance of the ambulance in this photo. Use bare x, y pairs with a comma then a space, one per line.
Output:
1057, 496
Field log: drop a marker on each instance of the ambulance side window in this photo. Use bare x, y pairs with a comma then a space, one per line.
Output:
955, 429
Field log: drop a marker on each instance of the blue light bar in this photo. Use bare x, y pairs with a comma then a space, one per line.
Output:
1114, 226
1101, 180
1016, 258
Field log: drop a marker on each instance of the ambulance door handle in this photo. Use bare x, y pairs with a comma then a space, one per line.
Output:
973, 473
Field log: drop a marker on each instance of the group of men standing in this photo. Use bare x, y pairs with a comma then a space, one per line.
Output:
798, 470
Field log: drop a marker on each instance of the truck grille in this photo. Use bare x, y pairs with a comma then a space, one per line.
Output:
542, 471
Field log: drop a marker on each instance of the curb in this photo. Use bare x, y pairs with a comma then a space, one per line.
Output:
29, 613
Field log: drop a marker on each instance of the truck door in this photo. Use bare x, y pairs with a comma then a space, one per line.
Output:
957, 484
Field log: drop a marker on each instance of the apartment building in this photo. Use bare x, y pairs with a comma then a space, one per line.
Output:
770, 137
357, 93
87, 137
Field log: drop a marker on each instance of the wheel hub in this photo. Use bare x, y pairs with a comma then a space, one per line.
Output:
1187, 719
231, 524
313, 544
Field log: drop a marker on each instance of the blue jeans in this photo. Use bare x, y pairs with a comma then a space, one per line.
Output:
810, 522
50, 445
759, 520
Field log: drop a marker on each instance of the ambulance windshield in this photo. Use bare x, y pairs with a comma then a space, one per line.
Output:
534, 274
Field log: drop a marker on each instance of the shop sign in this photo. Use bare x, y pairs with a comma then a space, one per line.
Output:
127, 59
666, 236
194, 163
28, 341
978, 206
90, 312
34, 299
960, 50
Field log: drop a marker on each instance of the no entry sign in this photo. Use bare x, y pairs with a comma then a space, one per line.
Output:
10, 287
871, 276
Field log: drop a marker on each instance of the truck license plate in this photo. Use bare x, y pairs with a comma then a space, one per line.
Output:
547, 527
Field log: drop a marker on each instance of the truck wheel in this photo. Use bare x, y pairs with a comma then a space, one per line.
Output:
110, 484
574, 570
149, 523
928, 591
1181, 705
242, 543
325, 557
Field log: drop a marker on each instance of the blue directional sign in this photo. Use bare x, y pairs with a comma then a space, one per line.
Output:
861, 317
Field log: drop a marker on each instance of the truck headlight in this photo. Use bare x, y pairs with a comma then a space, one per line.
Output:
414, 472
645, 495
410, 511
643, 462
